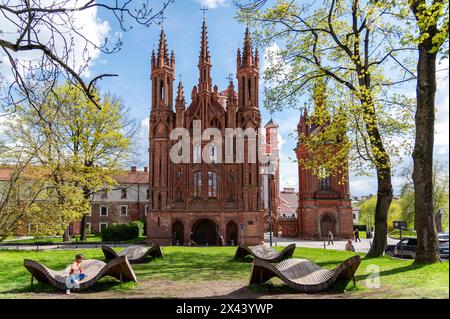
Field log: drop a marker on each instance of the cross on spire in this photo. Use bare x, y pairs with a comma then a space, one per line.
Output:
230, 77
162, 18
204, 9
180, 76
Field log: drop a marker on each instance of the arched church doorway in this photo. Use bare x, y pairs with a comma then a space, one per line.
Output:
204, 232
177, 233
327, 222
231, 233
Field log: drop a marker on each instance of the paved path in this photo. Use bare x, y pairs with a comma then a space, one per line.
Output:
362, 246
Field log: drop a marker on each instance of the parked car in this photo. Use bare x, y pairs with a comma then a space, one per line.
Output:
443, 237
443, 249
409, 247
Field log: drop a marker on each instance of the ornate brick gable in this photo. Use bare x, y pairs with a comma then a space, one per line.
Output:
200, 201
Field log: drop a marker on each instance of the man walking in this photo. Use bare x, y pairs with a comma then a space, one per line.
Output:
330, 237
357, 236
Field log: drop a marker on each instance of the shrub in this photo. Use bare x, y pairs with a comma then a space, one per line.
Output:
140, 225
120, 232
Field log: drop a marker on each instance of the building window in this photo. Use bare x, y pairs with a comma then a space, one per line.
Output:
325, 184
88, 227
148, 193
179, 173
213, 154
123, 210
146, 210
197, 184
103, 210
212, 184
104, 193
102, 226
123, 193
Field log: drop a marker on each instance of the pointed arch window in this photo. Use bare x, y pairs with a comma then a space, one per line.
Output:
212, 184
197, 184
197, 153
213, 150
325, 182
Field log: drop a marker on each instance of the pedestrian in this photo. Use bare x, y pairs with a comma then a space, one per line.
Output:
330, 237
221, 242
357, 236
349, 246
76, 274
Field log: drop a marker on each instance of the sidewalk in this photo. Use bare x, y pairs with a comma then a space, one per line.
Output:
362, 246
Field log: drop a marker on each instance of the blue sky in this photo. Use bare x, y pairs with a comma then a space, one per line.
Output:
183, 29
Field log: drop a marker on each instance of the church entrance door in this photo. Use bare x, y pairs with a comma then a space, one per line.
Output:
204, 232
232, 233
327, 222
177, 233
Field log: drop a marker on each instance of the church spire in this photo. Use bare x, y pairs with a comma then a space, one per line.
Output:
204, 63
163, 52
180, 92
248, 54
204, 50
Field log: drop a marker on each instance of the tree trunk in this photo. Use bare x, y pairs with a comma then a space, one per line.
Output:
383, 168
66, 235
427, 242
83, 228
83, 236
384, 199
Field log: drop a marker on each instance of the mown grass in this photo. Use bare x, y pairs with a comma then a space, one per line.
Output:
398, 278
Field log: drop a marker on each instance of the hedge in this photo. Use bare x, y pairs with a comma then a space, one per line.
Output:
121, 232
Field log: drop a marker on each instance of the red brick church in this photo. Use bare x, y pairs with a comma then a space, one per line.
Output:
202, 202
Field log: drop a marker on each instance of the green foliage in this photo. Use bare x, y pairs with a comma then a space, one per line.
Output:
367, 212
120, 232
140, 225
324, 60
440, 193
77, 148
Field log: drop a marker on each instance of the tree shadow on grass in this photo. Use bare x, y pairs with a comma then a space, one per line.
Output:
390, 272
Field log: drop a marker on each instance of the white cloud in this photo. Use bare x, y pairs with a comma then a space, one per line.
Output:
212, 4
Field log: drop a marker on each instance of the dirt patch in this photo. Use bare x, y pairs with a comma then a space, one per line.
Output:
230, 289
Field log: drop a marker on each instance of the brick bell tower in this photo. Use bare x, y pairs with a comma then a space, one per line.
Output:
161, 123
323, 204
248, 116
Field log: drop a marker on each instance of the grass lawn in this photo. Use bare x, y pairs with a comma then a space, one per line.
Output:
187, 268
395, 234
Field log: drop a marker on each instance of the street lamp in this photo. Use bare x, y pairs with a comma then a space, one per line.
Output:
267, 170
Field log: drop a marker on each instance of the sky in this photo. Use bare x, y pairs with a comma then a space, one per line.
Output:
183, 29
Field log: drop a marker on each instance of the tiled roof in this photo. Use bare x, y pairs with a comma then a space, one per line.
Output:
138, 177
131, 177
5, 173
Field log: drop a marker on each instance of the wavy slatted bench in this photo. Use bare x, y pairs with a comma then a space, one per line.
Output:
118, 268
304, 275
135, 254
264, 252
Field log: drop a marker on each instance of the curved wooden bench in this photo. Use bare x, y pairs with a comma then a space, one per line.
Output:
118, 268
135, 254
304, 275
264, 252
